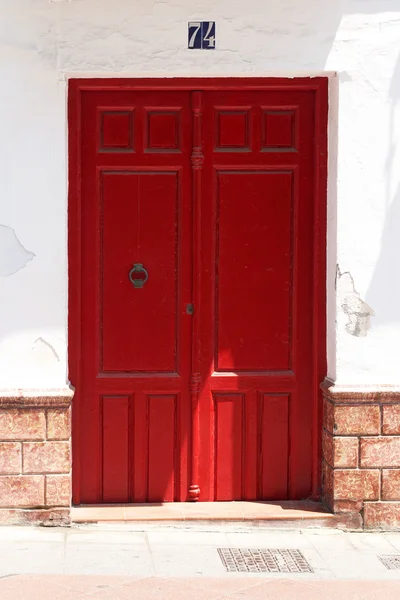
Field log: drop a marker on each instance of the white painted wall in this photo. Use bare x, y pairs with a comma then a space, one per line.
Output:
42, 42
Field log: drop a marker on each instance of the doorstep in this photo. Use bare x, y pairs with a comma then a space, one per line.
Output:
270, 514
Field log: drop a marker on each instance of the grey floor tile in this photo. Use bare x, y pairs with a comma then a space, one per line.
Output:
108, 559
106, 537
340, 542
206, 563
188, 538
374, 542
318, 563
32, 534
269, 539
393, 539
356, 565
32, 557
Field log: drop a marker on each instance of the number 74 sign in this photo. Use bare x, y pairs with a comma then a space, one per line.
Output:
201, 35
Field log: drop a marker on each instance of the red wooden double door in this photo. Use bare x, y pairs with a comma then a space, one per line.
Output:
193, 312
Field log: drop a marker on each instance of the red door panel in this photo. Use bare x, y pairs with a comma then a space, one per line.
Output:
257, 290
115, 417
162, 448
273, 449
228, 434
253, 269
136, 341
196, 294
139, 225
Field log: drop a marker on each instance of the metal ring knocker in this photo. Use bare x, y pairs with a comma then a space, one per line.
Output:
138, 268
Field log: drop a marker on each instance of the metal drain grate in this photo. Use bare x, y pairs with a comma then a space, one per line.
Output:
253, 560
391, 561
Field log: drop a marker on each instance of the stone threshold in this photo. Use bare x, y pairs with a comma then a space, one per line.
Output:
271, 514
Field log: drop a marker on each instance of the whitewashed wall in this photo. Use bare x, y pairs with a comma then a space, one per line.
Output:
43, 42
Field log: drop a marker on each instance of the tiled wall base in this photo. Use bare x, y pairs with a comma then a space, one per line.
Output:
35, 457
361, 454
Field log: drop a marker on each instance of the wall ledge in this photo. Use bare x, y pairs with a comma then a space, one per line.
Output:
360, 393
36, 398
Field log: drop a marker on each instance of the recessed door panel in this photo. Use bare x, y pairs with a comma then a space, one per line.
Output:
253, 270
228, 440
273, 445
163, 447
139, 226
116, 421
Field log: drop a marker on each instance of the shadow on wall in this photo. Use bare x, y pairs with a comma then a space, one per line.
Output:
13, 255
384, 290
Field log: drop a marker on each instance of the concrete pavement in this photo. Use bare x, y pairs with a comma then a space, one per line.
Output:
121, 561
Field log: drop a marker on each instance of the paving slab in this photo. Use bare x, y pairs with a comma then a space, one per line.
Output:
393, 539
31, 557
372, 542
108, 559
83, 537
270, 539
187, 538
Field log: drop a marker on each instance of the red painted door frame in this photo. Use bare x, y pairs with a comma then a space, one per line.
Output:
316, 86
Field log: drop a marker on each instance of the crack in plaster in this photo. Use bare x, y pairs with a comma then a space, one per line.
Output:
41, 342
359, 313
13, 255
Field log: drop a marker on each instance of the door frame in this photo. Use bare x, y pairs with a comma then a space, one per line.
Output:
317, 85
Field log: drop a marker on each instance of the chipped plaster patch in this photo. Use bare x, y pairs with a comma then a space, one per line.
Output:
13, 255
359, 313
